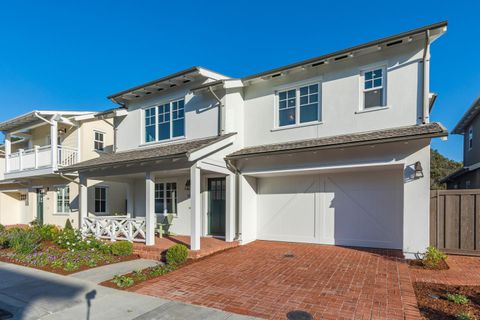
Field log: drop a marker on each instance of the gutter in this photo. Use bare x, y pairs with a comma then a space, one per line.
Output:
68, 179
426, 67
221, 124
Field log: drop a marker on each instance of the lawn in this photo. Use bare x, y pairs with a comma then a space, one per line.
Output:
61, 251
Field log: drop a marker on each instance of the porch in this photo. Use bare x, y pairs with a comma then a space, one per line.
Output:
183, 194
208, 246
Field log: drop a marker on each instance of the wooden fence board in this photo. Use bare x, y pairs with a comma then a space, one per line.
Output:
455, 221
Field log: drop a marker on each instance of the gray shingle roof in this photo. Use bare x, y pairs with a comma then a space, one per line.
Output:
388, 135
170, 150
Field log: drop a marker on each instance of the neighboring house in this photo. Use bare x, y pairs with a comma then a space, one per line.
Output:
468, 177
36, 145
331, 150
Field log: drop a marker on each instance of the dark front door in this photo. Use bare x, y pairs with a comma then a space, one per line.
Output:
216, 216
40, 206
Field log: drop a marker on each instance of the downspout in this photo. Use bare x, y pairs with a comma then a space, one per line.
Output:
221, 125
238, 228
426, 68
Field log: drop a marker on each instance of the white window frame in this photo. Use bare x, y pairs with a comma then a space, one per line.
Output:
106, 199
157, 137
95, 140
362, 89
470, 138
296, 86
63, 186
175, 203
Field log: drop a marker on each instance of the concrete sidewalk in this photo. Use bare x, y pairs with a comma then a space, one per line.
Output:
33, 294
104, 273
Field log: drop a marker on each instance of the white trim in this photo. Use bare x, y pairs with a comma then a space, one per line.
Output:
103, 133
293, 126
55, 208
155, 106
164, 181
195, 155
470, 139
372, 109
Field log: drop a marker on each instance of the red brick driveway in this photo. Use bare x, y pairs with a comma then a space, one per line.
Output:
262, 279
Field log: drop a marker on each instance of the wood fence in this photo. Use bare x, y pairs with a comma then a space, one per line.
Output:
455, 221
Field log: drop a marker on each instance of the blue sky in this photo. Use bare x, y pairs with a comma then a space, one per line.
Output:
72, 54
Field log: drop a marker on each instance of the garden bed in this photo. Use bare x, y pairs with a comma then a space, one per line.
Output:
419, 264
434, 303
52, 249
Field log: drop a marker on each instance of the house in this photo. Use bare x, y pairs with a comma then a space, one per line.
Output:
468, 177
330, 150
36, 145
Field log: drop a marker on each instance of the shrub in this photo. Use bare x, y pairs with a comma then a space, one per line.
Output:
177, 255
139, 275
457, 298
464, 316
68, 225
123, 281
47, 232
24, 241
2, 228
72, 240
121, 248
433, 257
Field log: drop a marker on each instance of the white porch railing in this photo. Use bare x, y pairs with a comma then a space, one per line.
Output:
115, 228
40, 157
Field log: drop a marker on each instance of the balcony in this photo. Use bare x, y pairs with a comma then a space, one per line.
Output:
39, 160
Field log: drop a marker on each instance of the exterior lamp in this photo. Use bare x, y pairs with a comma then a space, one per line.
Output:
418, 170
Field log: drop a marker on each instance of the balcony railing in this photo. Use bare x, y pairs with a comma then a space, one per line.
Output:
41, 157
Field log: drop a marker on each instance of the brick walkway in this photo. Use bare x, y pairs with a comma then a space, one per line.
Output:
330, 282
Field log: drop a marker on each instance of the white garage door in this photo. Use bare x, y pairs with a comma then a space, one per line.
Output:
358, 208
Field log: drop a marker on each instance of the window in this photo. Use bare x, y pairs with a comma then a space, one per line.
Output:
373, 88
165, 121
307, 100
470, 138
101, 199
166, 197
98, 141
63, 199
150, 124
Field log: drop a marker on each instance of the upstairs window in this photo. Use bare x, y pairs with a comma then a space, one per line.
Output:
150, 124
373, 88
165, 121
470, 138
98, 142
299, 105
63, 199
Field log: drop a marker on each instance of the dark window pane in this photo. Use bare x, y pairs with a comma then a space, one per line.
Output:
374, 98
368, 84
309, 113
314, 98
303, 91
283, 104
164, 131
314, 88
158, 205
377, 82
304, 100
287, 117
368, 75
149, 133
282, 95
291, 103
179, 128
291, 94
377, 73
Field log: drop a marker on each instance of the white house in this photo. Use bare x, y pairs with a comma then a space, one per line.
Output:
37, 144
331, 150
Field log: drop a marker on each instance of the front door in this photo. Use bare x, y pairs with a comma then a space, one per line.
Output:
216, 215
40, 206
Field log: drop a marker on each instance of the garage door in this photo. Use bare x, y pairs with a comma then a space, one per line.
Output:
357, 208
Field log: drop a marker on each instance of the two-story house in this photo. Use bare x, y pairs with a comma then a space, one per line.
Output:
36, 145
331, 150
468, 177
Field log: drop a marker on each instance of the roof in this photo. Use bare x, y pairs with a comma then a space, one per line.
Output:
457, 173
31, 116
208, 84
340, 54
172, 76
347, 140
467, 118
164, 151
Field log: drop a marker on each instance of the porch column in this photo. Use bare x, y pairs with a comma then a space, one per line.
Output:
130, 199
53, 142
230, 208
195, 198
150, 217
83, 203
8, 151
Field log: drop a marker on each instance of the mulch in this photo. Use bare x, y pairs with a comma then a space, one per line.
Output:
433, 303
418, 264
